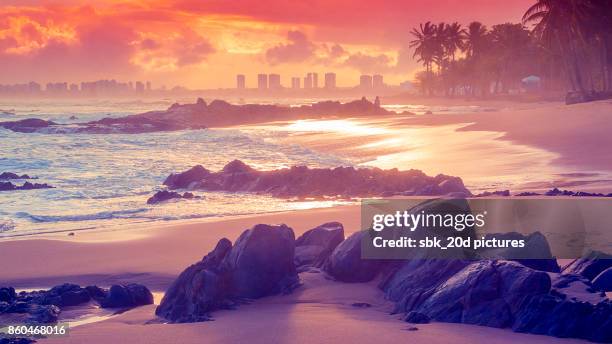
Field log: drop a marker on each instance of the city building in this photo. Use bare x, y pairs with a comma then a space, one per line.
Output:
308, 81
365, 82
140, 86
315, 80
274, 82
262, 81
240, 81
148, 86
295, 83
330, 81
377, 82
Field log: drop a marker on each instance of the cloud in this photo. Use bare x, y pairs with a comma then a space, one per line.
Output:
298, 49
369, 63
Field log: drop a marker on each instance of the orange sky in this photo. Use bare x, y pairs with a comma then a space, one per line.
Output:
204, 43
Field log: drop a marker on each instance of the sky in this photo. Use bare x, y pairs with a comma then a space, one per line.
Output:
205, 43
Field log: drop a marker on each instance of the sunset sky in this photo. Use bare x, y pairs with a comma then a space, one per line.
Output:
204, 43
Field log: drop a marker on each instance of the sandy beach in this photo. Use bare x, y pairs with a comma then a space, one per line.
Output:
320, 311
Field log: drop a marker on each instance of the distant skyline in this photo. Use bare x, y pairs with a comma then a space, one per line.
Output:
204, 44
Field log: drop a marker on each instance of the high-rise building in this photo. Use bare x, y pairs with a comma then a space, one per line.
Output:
315, 80
240, 81
262, 81
377, 82
330, 81
274, 81
140, 87
148, 86
308, 81
295, 83
365, 82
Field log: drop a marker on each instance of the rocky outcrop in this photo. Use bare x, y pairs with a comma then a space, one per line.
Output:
536, 253
127, 296
12, 175
44, 306
346, 265
29, 125
301, 181
603, 281
164, 195
200, 115
316, 245
589, 266
259, 264
8, 186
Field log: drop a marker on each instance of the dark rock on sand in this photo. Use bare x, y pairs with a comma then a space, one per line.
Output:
127, 296
11, 175
259, 264
346, 265
164, 195
590, 265
301, 181
603, 281
416, 318
314, 246
43, 314
536, 254
44, 306
16, 341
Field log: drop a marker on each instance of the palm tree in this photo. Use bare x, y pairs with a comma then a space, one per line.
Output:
475, 39
455, 36
424, 44
560, 24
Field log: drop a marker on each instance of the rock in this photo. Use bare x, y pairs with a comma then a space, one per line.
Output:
301, 181
416, 318
259, 264
315, 245
504, 193
536, 254
8, 186
412, 329
16, 341
67, 295
28, 125
185, 179
589, 266
130, 295
484, 293
346, 265
11, 175
7, 294
44, 314
163, 196
603, 281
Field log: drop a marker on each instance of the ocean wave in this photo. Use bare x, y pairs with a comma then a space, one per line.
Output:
104, 215
6, 225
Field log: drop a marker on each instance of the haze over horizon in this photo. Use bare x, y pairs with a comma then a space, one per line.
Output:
204, 44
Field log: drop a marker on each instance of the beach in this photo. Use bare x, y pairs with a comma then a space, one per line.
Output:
319, 311
153, 253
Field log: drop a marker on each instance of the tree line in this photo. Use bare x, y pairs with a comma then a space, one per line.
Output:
567, 47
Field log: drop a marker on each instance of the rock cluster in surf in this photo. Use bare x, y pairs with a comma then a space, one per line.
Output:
304, 182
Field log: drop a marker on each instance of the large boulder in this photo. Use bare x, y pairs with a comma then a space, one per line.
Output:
185, 179
536, 253
259, 264
603, 281
346, 265
589, 266
314, 246
126, 296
